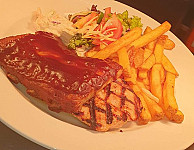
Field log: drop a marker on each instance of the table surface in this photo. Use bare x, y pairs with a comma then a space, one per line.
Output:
10, 140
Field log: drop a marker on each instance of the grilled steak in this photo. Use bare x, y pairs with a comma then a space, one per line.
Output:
53, 73
111, 108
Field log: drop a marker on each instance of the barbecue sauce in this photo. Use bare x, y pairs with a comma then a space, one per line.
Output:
43, 58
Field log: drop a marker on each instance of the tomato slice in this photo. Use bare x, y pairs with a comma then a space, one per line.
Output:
106, 16
112, 26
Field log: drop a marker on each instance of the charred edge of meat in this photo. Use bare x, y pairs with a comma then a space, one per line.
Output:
32, 92
12, 78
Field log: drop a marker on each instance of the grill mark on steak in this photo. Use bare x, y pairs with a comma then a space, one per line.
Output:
123, 98
92, 113
109, 114
110, 107
99, 109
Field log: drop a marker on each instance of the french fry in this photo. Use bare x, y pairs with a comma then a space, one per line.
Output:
91, 53
118, 44
147, 30
162, 75
114, 55
168, 66
178, 117
155, 82
147, 65
138, 58
146, 81
153, 107
159, 48
151, 36
145, 115
132, 76
124, 59
152, 44
142, 74
169, 101
169, 44
147, 53
115, 59
102, 45
155, 110
150, 95
140, 84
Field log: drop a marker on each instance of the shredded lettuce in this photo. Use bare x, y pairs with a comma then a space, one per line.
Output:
135, 22
78, 41
129, 23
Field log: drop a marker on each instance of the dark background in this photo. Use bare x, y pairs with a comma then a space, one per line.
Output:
180, 13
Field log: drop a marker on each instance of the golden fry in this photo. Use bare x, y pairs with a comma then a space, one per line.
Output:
140, 84
138, 58
91, 53
124, 59
168, 65
155, 82
151, 36
118, 44
169, 100
147, 64
147, 53
155, 110
178, 117
153, 107
152, 44
150, 95
147, 30
159, 48
114, 55
142, 74
146, 81
132, 76
162, 75
145, 115
169, 44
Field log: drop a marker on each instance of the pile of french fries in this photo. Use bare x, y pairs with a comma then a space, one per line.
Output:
147, 70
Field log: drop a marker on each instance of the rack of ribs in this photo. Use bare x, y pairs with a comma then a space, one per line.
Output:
53, 73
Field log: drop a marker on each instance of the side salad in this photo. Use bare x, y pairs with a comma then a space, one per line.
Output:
87, 29
97, 28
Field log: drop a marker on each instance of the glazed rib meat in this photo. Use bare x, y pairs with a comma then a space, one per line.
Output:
111, 108
53, 73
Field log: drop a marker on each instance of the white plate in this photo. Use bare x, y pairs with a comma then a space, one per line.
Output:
39, 125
